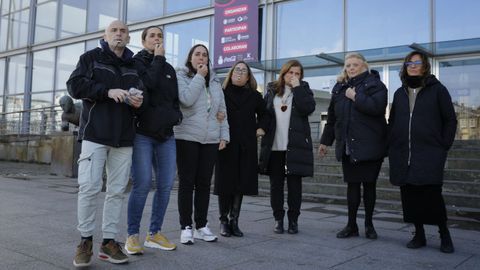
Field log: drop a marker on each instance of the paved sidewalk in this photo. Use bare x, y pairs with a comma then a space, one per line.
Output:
38, 220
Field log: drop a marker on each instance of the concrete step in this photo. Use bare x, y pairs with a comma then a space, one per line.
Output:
456, 214
453, 186
384, 193
449, 173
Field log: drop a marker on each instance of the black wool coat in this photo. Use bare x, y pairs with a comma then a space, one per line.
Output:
418, 143
236, 168
360, 123
299, 157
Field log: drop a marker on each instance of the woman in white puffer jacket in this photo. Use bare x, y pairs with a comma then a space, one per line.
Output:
203, 132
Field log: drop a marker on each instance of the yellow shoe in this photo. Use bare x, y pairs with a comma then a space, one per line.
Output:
132, 246
159, 240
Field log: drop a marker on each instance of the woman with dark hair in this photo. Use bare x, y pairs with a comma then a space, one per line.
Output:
286, 148
356, 122
154, 144
422, 126
203, 131
236, 169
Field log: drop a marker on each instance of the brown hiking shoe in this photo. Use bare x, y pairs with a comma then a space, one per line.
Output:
112, 252
83, 256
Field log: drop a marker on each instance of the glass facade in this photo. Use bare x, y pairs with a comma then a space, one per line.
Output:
34, 66
295, 21
379, 23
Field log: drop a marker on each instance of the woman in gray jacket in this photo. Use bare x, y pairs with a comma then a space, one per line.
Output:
203, 131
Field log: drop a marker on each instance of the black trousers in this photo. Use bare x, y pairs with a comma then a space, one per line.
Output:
195, 162
277, 180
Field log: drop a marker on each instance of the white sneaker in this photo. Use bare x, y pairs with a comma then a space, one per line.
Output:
186, 237
205, 234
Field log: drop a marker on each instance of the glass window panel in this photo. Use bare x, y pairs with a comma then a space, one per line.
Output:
67, 58
462, 81
42, 100
16, 5
5, 6
180, 37
19, 35
139, 10
379, 23
74, 17
2, 78
42, 74
102, 13
394, 82
92, 44
16, 74
14, 104
174, 6
293, 28
455, 19
3, 32
46, 22
135, 44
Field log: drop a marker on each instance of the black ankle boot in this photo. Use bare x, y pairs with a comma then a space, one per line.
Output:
292, 227
370, 232
418, 240
348, 231
235, 229
446, 244
278, 226
225, 229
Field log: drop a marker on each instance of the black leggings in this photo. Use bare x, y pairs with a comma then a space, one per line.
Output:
353, 198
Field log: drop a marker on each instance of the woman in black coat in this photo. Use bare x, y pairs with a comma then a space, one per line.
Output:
356, 121
236, 168
286, 148
422, 126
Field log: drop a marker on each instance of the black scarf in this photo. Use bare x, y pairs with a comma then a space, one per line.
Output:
414, 81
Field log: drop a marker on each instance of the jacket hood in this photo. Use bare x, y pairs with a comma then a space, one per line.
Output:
431, 80
127, 53
144, 56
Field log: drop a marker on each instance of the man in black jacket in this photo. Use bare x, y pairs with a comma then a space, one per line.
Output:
102, 80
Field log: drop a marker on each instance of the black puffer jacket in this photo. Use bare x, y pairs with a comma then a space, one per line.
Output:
360, 123
299, 158
103, 120
160, 109
418, 144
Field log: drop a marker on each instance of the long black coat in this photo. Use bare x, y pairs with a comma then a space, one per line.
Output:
362, 122
236, 168
299, 158
418, 144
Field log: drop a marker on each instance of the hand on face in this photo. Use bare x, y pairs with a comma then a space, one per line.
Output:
202, 69
159, 49
199, 60
292, 77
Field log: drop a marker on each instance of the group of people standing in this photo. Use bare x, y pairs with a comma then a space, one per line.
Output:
141, 115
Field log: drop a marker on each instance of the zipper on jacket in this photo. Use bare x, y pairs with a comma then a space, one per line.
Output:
410, 124
88, 121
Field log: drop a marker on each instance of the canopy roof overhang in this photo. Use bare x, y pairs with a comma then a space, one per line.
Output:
395, 53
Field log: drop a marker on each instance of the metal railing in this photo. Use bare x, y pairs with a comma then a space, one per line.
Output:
38, 121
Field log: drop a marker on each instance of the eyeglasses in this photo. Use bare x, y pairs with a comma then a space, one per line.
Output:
411, 64
240, 70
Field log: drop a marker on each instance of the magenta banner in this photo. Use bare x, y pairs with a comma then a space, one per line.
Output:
236, 32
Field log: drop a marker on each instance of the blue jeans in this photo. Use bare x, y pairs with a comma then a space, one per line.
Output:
148, 153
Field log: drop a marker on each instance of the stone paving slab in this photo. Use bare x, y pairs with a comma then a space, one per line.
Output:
38, 231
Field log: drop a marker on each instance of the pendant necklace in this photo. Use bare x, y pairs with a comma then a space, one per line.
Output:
284, 100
